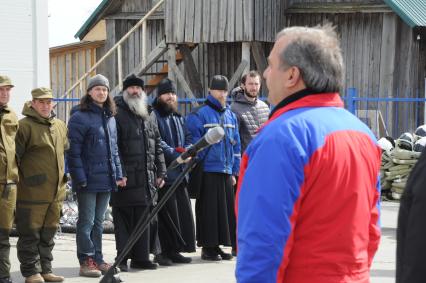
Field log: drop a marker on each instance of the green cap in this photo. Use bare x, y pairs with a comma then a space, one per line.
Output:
5, 81
41, 92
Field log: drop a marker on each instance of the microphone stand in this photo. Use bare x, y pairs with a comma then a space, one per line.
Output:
112, 275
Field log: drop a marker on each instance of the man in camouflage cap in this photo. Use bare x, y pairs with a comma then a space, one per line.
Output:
40, 145
8, 175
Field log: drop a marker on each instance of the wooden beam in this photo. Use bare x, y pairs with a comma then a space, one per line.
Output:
120, 67
184, 84
337, 8
153, 56
191, 71
157, 15
171, 59
237, 75
259, 56
245, 55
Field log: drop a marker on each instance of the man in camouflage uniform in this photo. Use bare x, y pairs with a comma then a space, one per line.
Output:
8, 175
40, 144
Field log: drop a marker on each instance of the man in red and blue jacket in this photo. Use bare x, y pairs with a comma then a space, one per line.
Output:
308, 197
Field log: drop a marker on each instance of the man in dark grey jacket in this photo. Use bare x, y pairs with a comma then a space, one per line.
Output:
251, 112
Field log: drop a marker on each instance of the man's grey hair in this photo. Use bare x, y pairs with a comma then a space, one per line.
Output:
316, 52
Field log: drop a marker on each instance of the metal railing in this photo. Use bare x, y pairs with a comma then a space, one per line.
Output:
386, 116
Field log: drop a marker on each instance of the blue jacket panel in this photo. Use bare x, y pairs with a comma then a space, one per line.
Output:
93, 155
172, 126
225, 156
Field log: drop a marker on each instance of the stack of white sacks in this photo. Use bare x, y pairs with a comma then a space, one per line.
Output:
398, 159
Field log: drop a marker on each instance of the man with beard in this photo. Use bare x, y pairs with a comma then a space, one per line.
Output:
143, 165
175, 220
214, 208
251, 112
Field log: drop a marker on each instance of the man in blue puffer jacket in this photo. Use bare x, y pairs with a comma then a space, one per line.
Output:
95, 169
215, 218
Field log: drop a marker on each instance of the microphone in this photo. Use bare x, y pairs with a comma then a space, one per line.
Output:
213, 135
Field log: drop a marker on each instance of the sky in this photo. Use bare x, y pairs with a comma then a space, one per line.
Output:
66, 17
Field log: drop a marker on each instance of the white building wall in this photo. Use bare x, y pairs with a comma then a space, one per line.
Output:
24, 48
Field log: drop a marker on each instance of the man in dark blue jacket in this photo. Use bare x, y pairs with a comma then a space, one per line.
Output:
175, 219
214, 208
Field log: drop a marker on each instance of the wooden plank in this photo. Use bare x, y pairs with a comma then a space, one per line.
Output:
214, 20
223, 20
198, 23
111, 61
205, 64
54, 76
171, 59
245, 55
259, 56
237, 75
82, 70
180, 22
170, 18
239, 20
258, 18
129, 58
248, 20
189, 21
205, 36
387, 62
230, 26
191, 71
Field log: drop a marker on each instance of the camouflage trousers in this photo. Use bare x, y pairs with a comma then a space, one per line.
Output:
37, 224
7, 211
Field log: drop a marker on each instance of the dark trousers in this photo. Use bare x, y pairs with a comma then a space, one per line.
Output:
176, 223
7, 210
37, 225
125, 221
214, 209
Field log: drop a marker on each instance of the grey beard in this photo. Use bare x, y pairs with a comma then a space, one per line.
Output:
137, 105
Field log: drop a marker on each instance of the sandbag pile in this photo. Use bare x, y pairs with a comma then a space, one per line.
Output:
398, 159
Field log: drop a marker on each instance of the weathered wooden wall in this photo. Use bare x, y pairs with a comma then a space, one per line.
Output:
379, 59
213, 21
383, 58
67, 65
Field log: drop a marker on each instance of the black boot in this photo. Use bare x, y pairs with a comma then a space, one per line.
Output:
163, 260
210, 254
178, 258
223, 255
143, 264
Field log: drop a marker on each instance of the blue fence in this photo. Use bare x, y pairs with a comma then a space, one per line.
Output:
386, 116
389, 116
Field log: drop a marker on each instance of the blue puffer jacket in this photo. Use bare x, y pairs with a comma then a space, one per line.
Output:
93, 158
172, 126
225, 156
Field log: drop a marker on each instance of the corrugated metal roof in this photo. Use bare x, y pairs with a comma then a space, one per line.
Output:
412, 12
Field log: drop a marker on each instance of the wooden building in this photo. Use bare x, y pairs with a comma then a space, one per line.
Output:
383, 41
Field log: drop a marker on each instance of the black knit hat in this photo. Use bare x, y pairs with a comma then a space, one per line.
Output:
219, 82
132, 80
166, 86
